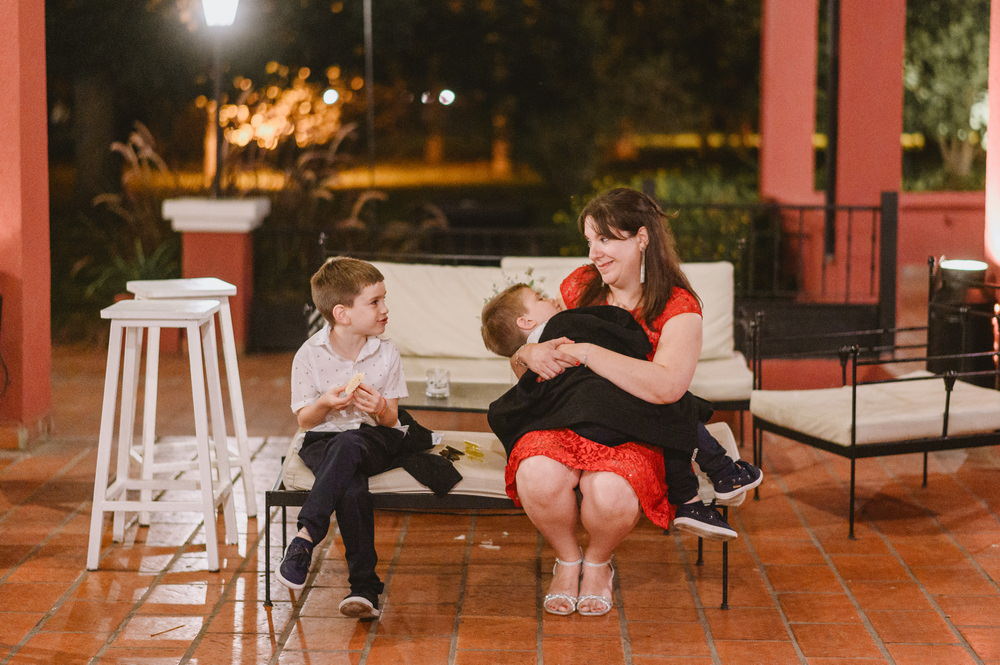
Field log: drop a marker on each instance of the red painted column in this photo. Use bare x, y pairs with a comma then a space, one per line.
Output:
869, 156
787, 99
25, 338
993, 142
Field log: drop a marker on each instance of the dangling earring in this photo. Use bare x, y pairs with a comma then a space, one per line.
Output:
642, 267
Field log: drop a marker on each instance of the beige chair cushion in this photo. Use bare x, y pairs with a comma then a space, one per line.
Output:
885, 411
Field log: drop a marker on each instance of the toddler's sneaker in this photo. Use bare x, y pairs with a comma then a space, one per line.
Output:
357, 606
294, 566
702, 521
745, 477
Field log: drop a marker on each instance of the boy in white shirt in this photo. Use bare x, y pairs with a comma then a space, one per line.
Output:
353, 426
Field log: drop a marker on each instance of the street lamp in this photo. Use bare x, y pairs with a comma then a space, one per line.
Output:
218, 14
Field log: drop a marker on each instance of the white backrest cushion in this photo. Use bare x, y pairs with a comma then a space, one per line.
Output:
712, 281
434, 310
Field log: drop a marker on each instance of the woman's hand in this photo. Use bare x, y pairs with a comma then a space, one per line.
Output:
545, 359
579, 351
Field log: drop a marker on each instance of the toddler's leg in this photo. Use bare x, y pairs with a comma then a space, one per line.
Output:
729, 478
682, 490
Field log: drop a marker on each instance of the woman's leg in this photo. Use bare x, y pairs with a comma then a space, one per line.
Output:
609, 511
545, 488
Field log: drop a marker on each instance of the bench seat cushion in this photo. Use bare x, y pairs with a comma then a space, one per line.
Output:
482, 475
885, 411
723, 379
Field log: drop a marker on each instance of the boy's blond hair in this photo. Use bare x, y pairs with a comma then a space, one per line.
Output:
339, 281
500, 331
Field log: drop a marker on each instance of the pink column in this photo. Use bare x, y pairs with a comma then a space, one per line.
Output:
24, 225
993, 142
787, 99
869, 156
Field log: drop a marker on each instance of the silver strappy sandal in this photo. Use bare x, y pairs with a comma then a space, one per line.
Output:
561, 596
604, 602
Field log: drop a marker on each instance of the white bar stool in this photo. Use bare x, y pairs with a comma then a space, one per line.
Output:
129, 319
214, 289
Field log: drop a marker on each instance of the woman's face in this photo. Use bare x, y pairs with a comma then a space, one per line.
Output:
617, 259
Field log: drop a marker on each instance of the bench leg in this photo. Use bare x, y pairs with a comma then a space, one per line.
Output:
924, 483
267, 551
725, 565
850, 532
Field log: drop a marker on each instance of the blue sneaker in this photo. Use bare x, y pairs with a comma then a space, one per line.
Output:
294, 565
703, 521
745, 477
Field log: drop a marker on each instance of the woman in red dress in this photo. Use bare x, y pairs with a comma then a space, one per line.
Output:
634, 265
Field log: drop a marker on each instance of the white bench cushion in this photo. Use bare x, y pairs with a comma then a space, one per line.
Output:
435, 310
885, 412
723, 379
712, 281
480, 476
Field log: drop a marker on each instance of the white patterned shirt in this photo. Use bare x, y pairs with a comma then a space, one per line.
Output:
316, 368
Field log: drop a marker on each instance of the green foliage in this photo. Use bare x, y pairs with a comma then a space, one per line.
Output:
122, 237
945, 75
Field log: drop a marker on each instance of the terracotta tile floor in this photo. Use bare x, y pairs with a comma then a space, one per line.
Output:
917, 587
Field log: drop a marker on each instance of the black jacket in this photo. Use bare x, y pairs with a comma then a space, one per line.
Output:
588, 403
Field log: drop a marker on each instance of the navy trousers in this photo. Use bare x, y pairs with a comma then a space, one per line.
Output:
342, 463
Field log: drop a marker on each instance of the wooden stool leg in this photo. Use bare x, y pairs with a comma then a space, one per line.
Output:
149, 416
218, 420
126, 425
236, 404
104, 440
201, 439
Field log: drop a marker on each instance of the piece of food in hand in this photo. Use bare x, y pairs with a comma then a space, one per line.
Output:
353, 384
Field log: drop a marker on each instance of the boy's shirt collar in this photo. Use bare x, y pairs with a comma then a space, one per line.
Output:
323, 339
535, 334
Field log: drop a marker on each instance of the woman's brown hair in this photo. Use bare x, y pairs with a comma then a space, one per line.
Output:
620, 213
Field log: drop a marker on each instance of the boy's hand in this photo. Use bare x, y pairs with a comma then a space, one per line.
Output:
335, 398
369, 400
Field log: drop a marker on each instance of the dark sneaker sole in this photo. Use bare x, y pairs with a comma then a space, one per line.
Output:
358, 609
702, 530
287, 583
725, 496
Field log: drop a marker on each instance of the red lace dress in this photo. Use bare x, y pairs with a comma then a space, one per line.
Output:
641, 465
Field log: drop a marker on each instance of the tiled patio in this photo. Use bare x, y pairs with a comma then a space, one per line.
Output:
917, 587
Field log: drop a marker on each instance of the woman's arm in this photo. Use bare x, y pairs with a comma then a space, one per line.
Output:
544, 358
663, 380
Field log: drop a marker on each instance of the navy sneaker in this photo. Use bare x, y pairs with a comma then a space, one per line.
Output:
702, 521
358, 606
294, 566
745, 477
